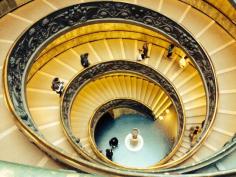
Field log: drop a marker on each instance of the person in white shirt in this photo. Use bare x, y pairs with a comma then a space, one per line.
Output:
139, 57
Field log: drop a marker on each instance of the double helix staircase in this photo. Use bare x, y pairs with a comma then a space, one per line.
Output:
107, 88
193, 96
44, 104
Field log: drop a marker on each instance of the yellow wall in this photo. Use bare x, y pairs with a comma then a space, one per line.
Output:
170, 123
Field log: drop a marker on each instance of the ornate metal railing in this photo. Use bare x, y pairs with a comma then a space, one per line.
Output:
122, 66
226, 150
216, 12
39, 34
67, 43
119, 103
122, 103
118, 66
233, 2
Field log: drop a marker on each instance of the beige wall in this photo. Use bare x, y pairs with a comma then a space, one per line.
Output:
20, 2
169, 123
8, 5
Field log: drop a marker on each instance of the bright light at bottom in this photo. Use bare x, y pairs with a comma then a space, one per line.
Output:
167, 111
161, 117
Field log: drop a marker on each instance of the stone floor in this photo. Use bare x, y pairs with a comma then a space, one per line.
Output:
156, 144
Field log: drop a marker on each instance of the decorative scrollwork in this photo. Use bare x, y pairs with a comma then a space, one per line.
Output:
117, 66
63, 19
120, 103
31, 42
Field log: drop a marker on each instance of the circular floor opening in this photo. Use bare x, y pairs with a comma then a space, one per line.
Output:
153, 143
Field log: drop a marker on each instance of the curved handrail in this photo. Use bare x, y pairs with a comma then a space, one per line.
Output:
227, 149
107, 67
217, 14
56, 50
117, 103
31, 42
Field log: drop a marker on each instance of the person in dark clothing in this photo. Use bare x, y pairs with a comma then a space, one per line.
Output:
109, 154
113, 143
84, 60
196, 130
194, 134
203, 122
145, 51
57, 86
170, 50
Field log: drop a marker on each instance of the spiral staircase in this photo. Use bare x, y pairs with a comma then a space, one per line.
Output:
57, 133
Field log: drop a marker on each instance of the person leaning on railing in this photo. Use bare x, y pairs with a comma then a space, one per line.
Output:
143, 53
170, 50
194, 134
84, 60
57, 86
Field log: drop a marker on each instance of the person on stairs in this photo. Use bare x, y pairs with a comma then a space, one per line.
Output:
57, 86
145, 51
84, 60
194, 133
170, 50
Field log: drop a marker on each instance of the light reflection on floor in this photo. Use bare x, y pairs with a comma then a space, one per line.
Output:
156, 144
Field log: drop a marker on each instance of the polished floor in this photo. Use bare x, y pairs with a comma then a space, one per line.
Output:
156, 144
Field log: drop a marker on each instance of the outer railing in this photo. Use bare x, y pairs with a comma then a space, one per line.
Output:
118, 103
39, 34
227, 149
218, 14
123, 103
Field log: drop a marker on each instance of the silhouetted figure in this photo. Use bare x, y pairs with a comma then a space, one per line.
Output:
113, 142
57, 86
170, 50
194, 132
203, 122
77, 140
109, 154
145, 51
84, 60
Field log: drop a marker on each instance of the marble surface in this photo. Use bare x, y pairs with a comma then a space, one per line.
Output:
156, 144
8, 169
